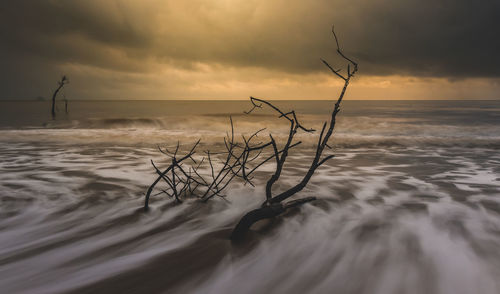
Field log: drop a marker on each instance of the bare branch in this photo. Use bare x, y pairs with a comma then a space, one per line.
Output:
242, 157
273, 206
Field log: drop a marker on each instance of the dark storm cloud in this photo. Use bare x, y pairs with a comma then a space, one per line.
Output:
438, 38
430, 38
79, 31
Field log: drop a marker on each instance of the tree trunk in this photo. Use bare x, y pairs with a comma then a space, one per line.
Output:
254, 216
54, 100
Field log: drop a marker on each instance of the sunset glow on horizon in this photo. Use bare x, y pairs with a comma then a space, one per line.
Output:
165, 49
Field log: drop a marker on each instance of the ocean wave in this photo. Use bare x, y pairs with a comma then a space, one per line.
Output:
103, 123
350, 132
359, 141
125, 122
153, 137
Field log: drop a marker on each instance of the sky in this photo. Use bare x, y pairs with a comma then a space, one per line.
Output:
231, 49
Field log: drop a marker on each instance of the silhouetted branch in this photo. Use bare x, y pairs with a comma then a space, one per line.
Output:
273, 205
222, 167
64, 80
66, 105
216, 170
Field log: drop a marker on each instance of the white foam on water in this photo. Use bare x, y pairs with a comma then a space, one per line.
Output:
396, 213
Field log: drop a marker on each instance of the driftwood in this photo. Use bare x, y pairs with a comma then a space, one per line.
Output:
64, 80
183, 177
239, 161
273, 205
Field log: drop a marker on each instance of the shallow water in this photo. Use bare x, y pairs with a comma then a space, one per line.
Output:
403, 208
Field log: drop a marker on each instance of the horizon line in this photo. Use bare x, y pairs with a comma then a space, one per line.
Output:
239, 99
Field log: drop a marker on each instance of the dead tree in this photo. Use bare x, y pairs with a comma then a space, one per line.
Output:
209, 175
275, 205
64, 80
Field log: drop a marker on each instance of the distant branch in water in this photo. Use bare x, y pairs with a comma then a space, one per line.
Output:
66, 105
64, 80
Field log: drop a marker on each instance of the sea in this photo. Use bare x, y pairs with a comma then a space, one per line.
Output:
409, 204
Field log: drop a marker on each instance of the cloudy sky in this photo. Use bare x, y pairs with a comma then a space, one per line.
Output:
231, 49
